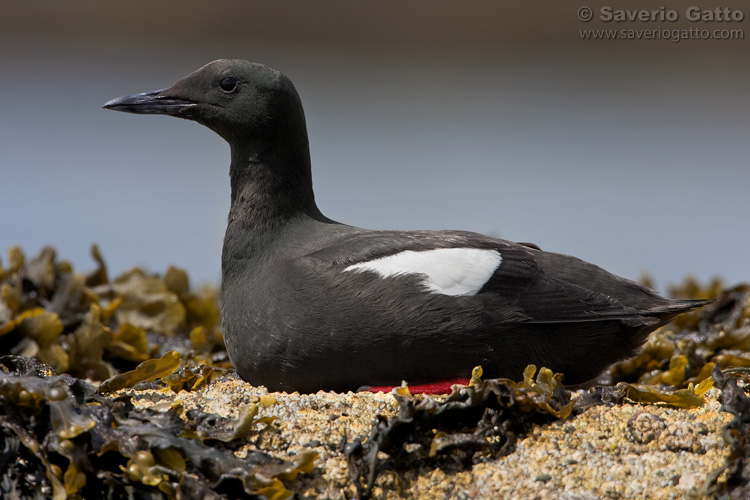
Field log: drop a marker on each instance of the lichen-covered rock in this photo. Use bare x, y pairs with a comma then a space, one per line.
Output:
591, 455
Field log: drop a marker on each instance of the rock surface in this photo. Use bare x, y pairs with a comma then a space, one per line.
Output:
624, 451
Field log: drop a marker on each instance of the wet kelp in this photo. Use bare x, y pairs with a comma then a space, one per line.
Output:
686, 351
62, 439
484, 418
681, 357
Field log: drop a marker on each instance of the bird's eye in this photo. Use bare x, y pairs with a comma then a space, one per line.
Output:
228, 84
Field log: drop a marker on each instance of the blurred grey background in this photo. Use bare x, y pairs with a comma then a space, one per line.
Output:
483, 115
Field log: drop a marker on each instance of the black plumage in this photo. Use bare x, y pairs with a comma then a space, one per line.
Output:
296, 318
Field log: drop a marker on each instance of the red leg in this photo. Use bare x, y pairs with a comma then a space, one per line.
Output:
441, 387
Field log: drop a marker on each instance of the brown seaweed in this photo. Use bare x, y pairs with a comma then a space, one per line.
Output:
484, 418
96, 328
61, 438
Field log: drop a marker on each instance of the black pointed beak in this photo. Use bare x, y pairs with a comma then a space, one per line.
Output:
149, 103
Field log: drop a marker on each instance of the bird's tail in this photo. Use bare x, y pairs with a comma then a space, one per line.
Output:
682, 305
674, 307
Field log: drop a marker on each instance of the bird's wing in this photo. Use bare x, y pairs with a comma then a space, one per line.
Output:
467, 264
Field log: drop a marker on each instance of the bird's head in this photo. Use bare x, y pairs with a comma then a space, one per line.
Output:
237, 99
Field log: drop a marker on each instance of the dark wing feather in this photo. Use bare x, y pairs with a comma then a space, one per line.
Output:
545, 289
541, 293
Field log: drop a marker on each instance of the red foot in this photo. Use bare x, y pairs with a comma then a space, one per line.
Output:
442, 387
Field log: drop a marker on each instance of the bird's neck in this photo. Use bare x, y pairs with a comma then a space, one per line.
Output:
271, 190
270, 184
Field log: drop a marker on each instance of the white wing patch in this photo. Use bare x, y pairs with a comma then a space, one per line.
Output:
449, 271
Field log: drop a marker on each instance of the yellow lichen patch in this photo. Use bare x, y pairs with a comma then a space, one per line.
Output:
267, 400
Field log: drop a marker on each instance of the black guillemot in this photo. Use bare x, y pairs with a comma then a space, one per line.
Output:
308, 303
